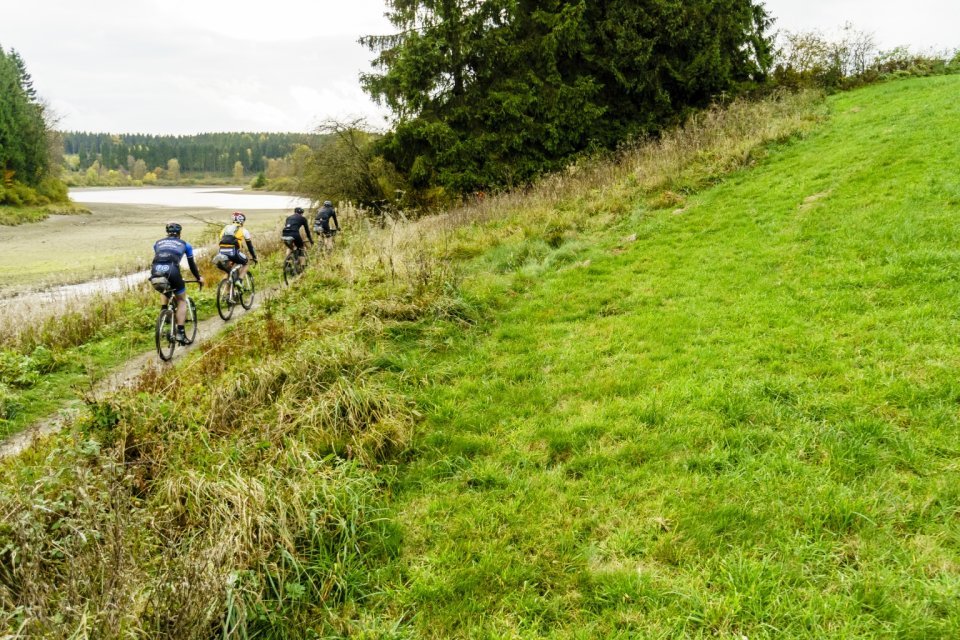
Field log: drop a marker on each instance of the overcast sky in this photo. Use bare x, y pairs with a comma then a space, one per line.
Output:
189, 66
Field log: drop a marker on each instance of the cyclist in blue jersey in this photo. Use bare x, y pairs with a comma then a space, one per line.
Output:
167, 254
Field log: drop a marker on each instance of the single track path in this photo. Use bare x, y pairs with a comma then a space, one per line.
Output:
124, 375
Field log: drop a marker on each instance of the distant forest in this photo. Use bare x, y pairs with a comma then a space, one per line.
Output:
210, 153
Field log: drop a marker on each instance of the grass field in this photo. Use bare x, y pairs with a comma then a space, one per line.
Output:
708, 390
743, 423
13, 216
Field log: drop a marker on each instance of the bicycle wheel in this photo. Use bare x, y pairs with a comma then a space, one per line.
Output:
289, 269
164, 336
246, 296
225, 300
190, 322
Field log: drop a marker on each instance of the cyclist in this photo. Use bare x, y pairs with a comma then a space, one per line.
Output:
167, 254
230, 242
291, 232
321, 224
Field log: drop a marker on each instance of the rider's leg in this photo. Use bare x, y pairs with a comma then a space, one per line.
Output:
181, 309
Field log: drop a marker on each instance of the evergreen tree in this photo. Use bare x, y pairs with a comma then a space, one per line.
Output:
24, 153
493, 92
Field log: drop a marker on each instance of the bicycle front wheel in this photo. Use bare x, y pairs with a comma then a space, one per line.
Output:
225, 300
190, 322
246, 296
166, 341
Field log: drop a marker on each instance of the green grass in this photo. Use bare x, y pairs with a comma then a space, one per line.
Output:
705, 390
744, 422
13, 216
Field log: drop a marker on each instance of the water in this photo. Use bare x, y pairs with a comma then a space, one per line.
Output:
195, 197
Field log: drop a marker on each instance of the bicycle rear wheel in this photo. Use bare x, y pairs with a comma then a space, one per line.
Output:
165, 338
225, 300
190, 322
289, 269
246, 295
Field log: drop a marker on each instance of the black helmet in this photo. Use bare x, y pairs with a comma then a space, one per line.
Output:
174, 228
327, 203
298, 210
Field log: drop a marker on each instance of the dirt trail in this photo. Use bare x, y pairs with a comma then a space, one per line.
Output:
121, 377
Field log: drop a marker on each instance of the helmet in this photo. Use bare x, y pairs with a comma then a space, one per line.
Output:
174, 228
298, 210
327, 203
239, 218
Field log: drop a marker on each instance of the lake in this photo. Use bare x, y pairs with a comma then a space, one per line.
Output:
232, 198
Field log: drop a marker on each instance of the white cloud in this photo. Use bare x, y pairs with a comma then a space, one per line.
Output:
187, 66
921, 24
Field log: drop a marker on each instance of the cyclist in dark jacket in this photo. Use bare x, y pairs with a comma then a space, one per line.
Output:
321, 224
291, 231
167, 254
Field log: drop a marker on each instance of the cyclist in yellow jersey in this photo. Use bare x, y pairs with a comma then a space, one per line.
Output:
232, 238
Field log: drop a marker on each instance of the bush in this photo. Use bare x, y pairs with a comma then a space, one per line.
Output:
19, 194
54, 190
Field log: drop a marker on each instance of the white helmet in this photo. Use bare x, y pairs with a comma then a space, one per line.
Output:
239, 218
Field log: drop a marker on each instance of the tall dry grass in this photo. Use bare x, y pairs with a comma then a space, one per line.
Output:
241, 494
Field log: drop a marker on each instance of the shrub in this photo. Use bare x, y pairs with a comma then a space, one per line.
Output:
54, 190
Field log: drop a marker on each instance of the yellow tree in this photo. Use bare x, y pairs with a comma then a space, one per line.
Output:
173, 169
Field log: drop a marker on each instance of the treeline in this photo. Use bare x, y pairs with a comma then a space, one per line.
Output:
134, 156
489, 95
850, 58
25, 139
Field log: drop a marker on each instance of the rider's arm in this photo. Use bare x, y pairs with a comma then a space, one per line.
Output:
306, 228
335, 221
193, 267
253, 254
192, 263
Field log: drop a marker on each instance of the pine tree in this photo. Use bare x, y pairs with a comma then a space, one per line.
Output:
493, 92
24, 150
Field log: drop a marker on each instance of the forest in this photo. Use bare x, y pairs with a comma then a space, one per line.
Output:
207, 153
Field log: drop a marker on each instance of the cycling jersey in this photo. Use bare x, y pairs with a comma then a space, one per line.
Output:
232, 239
167, 254
234, 235
171, 250
292, 226
322, 221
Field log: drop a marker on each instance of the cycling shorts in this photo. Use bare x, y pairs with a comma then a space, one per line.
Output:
234, 255
324, 230
171, 271
295, 239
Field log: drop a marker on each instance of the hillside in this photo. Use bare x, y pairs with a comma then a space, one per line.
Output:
743, 422
707, 390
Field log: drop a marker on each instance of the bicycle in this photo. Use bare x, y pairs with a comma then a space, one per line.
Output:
327, 239
295, 263
230, 295
166, 329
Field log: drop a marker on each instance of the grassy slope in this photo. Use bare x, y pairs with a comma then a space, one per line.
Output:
744, 421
